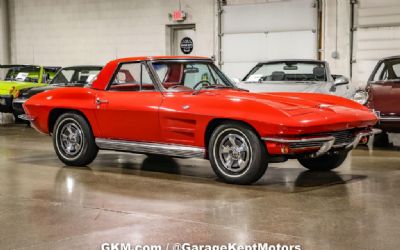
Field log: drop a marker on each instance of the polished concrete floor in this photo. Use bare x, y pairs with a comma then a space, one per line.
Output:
133, 199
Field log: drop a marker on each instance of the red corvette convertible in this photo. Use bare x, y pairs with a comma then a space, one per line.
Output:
186, 107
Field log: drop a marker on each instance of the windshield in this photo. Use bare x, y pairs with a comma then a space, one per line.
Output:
76, 76
20, 73
190, 75
288, 71
4, 69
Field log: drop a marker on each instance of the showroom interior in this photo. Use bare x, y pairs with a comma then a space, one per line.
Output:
165, 175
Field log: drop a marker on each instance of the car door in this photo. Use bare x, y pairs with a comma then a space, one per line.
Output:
128, 109
385, 88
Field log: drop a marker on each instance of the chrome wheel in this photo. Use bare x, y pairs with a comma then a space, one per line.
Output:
71, 139
234, 152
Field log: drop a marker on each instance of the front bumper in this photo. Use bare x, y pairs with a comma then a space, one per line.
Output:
17, 106
6, 103
317, 145
388, 123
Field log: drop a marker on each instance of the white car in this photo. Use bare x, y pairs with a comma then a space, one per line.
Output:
295, 76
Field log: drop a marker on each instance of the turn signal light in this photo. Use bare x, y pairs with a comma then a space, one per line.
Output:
284, 149
12, 90
364, 140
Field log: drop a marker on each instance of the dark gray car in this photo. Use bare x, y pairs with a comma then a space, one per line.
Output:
74, 76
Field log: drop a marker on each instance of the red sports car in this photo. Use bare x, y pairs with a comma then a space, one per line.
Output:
186, 107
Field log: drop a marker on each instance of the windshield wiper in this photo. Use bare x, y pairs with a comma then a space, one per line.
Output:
218, 86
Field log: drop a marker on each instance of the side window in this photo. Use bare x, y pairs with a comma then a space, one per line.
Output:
396, 71
48, 75
132, 77
63, 77
380, 73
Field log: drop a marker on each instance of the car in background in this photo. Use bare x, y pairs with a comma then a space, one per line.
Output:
186, 107
310, 76
74, 76
16, 78
382, 95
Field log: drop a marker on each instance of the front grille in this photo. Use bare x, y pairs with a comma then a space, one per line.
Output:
341, 138
17, 106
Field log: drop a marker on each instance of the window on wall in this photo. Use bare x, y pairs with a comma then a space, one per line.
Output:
132, 77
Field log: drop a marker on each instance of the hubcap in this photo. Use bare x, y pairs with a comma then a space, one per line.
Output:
234, 152
71, 139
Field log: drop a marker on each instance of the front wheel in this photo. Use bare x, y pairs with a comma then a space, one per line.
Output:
74, 141
326, 162
236, 153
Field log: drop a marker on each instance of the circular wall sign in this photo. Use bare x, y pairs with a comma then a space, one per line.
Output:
186, 45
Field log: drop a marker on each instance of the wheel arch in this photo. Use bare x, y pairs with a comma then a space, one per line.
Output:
57, 112
214, 123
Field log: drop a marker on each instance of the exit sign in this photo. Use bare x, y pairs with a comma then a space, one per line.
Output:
178, 15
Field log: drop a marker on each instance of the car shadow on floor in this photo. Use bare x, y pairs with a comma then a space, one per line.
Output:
278, 179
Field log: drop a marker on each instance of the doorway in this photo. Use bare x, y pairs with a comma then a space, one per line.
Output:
182, 40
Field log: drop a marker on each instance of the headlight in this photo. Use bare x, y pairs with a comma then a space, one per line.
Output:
361, 96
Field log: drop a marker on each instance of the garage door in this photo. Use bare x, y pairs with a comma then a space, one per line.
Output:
377, 35
264, 31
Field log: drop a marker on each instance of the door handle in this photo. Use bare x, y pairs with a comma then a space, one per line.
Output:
99, 101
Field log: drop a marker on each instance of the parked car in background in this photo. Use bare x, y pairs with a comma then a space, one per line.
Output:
74, 76
16, 78
382, 95
186, 107
310, 76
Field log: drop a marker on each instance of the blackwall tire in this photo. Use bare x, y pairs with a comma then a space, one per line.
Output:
73, 140
381, 140
326, 162
237, 154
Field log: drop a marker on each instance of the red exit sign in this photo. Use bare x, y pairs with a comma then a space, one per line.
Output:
178, 15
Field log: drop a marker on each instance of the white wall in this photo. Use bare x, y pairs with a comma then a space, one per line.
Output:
58, 32
68, 32
336, 30
4, 37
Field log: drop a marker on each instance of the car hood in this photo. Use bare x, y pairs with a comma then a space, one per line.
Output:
6, 86
36, 90
298, 109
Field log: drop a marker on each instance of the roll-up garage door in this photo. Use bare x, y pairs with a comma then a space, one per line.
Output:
272, 30
377, 35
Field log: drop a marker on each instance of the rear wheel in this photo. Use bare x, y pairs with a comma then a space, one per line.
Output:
325, 162
73, 140
236, 153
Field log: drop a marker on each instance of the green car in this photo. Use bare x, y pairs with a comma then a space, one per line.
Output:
14, 78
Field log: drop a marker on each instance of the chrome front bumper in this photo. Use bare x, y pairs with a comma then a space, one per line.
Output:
385, 118
25, 117
323, 144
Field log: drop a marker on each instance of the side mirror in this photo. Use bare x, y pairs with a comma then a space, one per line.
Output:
341, 80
